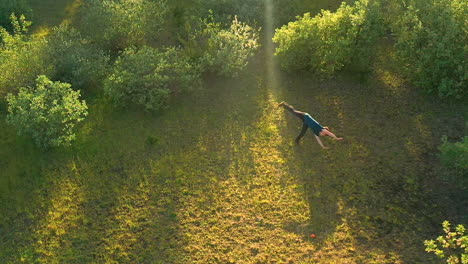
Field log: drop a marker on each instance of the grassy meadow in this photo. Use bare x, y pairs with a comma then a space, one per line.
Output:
217, 177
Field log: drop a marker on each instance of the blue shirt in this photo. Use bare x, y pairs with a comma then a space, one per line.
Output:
313, 124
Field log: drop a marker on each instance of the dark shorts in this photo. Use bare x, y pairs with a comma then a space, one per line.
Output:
316, 132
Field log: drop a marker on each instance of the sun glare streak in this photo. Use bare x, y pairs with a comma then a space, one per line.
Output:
271, 68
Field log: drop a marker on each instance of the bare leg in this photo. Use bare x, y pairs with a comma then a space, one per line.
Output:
320, 142
326, 132
291, 109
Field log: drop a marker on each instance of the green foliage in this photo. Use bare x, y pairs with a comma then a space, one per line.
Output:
453, 247
8, 7
48, 112
147, 76
371, 27
116, 25
327, 42
64, 55
225, 51
75, 60
226, 10
21, 57
286, 11
455, 155
432, 44
253, 11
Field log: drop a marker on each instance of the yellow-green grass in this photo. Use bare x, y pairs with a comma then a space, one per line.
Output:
217, 177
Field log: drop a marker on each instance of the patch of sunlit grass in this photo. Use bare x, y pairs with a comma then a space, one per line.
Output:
386, 70
55, 232
236, 217
132, 216
342, 246
393, 82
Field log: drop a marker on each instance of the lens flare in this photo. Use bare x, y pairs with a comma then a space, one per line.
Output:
270, 63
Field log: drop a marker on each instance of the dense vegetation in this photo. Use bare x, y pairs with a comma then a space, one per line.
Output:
451, 246
146, 131
75, 59
49, 112
123, 23
8, 7
325, 43
432, 43
21, 57
147, 76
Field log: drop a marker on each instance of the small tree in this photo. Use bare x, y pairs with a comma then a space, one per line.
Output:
224, 51
116, 25
48, 112
7, 7
453, 246
75, 60
228, 50
324, 44
148, 76
431, 43
21, 57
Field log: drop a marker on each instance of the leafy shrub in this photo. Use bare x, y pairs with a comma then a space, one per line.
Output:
48, 112
327, 42
8, 7
431, 41
75, 60
455, 155
225, 51
453, 246
21, 57
147, 77
118, 24
372, 26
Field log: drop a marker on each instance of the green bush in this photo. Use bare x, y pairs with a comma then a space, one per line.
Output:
116, 25
453, 247
224, 51
8, 7
75, 60
48, 112
327, 42
455, 155
21, 57
432, 44
148, 76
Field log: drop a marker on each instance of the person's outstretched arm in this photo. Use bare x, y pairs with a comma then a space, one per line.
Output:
320, 142
303, 131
